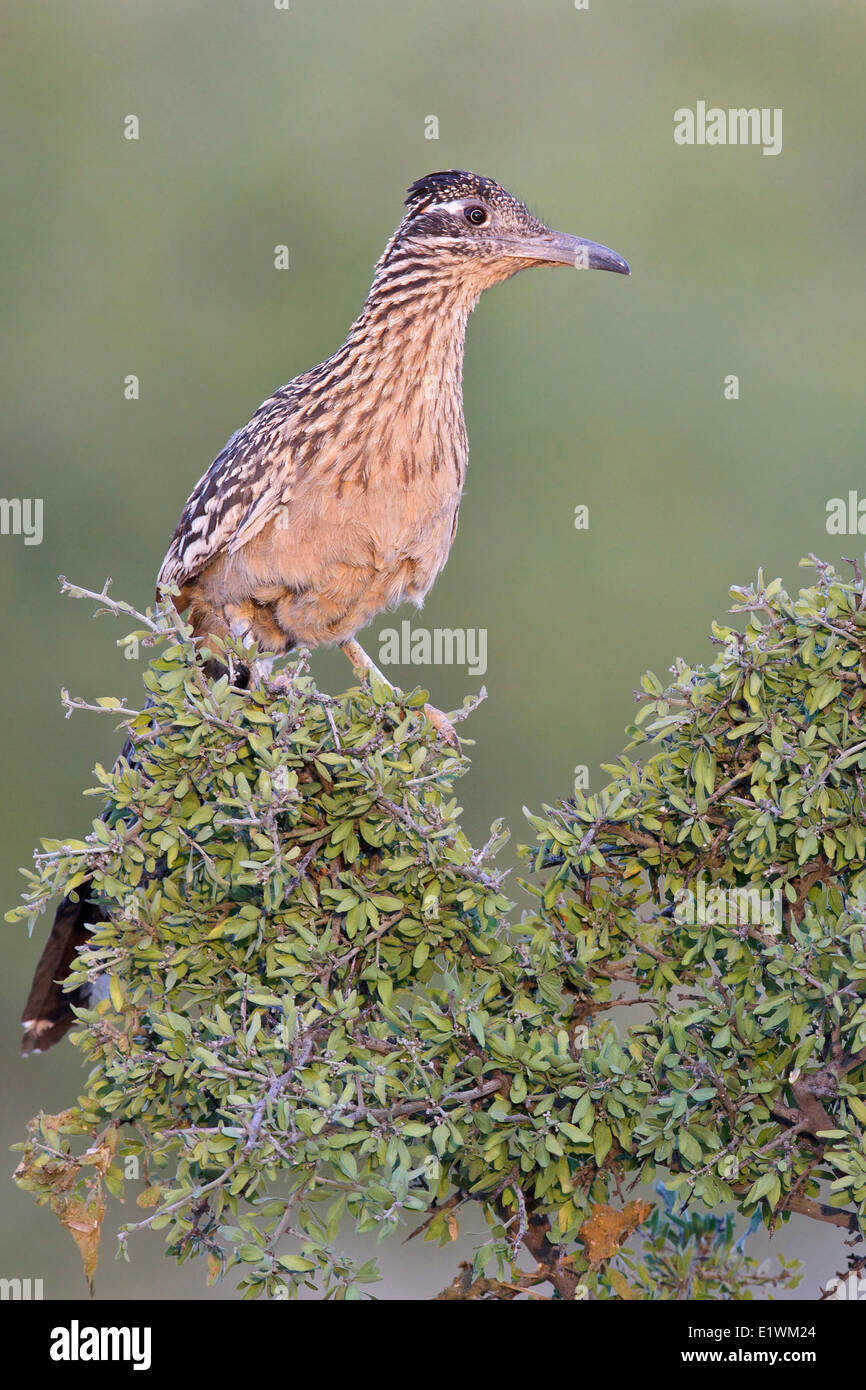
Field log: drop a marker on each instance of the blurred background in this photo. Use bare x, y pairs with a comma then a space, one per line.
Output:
155, 257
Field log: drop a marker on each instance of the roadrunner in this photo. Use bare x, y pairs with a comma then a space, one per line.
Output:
340, 496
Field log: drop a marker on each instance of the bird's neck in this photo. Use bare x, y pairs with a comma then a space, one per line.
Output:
404, 353
416, 294
389, 402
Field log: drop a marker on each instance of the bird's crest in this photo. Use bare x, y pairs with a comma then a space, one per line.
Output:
447, 184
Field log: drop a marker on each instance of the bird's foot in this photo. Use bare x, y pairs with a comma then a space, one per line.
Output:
281, 682
260, 672
365, 667
443, 726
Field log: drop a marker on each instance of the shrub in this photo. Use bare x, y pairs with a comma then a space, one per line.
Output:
319, 1009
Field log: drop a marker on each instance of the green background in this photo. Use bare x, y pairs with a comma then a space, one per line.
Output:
261, 127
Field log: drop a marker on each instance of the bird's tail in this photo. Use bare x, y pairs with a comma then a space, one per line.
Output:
48, 1012
48, 1015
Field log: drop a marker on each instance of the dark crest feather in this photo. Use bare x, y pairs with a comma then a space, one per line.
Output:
446, 184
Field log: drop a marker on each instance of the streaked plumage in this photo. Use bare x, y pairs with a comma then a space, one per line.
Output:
340, 496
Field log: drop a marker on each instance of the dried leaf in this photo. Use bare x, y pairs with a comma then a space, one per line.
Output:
608, 1227
83, 1220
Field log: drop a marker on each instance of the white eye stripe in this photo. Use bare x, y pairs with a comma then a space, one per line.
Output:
456, 205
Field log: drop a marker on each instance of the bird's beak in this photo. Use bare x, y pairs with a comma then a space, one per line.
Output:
558, 248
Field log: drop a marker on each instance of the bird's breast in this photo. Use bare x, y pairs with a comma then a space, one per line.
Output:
399, 502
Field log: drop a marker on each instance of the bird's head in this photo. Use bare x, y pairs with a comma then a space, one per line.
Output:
473, 226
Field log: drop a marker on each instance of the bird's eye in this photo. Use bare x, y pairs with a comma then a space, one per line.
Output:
476, 215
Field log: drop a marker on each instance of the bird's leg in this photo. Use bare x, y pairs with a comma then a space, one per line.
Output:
363, 663
260, 670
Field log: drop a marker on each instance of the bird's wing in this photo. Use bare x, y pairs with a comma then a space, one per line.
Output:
244, 487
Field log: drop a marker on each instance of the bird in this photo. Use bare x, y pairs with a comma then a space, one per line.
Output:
340, 496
